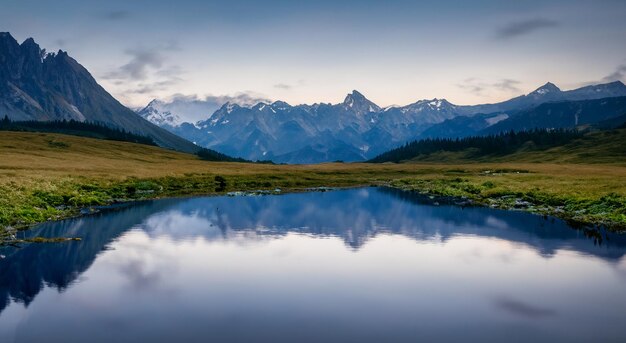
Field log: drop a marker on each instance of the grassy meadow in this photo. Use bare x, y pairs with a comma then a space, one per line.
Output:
46, 176
596, 147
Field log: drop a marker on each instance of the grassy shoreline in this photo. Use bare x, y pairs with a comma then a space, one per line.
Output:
40, 181
71, 197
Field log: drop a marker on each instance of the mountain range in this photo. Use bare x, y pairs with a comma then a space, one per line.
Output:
180, 109
35, 85
358, 129
41, 86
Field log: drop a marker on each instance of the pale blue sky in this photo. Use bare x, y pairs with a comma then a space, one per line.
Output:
395, 52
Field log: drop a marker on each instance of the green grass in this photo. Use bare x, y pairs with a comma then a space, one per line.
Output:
499, 190
40, 181
596, 147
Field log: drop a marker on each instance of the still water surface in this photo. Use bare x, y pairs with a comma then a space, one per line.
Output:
358, 265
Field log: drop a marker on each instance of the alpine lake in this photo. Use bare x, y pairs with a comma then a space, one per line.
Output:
347, 265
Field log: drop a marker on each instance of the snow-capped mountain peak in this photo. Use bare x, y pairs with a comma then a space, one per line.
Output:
359, 104
230, 107
546, 89
428, 105
264, 107
156, 113
436, 103
354, 129
353, 98
280, 105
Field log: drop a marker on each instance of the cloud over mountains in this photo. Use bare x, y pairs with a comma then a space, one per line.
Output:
524, 27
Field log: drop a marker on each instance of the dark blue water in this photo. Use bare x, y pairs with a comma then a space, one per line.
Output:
360, 265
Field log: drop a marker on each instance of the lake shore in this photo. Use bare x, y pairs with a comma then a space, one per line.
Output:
468, 188
39, 182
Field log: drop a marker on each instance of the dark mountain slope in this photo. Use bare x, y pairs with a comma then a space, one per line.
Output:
563, 114
549, 93
567, 114
35, 85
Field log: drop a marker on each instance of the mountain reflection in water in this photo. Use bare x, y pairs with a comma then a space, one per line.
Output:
355, 216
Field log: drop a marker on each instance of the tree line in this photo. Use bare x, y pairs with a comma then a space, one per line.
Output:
497, 144
212, 155
99, 131
75, 128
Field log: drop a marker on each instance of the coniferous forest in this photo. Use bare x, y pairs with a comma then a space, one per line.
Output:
75, 128
494, 145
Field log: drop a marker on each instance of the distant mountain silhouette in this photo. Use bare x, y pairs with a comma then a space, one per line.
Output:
355, 129
567, 114
559, 114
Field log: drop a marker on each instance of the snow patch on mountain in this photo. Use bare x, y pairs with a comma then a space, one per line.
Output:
496, 119
190, 109
157, 113
356, 128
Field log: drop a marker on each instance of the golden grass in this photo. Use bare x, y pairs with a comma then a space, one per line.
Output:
62, 164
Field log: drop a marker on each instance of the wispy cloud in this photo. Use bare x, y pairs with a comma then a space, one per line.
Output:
619, 74
141, 61
115, 15
472, 88
479, 87
508, 85
283, 86
147, 72
287, 86
151, 87
520, 28
192, 108
242, 98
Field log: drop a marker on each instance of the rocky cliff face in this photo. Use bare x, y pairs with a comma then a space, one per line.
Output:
35, 85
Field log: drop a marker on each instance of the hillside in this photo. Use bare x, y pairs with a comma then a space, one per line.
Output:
604, 112
550, 93
608, 146
35, 85
47, 176
567, 114
75, 128
605, 146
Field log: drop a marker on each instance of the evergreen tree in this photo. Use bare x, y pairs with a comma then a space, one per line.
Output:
478, 146
77, 128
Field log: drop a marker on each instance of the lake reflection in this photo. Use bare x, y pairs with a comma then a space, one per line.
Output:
359, 265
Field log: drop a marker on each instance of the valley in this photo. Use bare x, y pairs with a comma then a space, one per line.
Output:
48, 176
312, 171
357, 129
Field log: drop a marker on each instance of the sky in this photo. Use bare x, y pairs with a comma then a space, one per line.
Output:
395, 52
